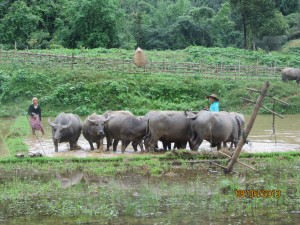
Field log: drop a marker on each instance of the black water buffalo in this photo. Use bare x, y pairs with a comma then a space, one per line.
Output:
167, 126
66, 128
167, 145
124, 126
215, 127
93, 130
291, 74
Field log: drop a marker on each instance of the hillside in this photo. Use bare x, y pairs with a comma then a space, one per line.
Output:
84, 92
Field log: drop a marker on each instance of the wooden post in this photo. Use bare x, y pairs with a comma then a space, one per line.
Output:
273, 123
72, 62
240, 69
248, 128
235, 72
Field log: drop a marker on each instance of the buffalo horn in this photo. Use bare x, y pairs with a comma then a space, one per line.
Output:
67, 125
91, 120
50, 123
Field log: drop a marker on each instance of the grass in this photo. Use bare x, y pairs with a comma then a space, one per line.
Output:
15, 138
188, 194
231, 56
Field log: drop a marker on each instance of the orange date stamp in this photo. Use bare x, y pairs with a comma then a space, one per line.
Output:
253, 193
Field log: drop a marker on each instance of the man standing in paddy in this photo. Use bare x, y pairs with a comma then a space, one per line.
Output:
214, 103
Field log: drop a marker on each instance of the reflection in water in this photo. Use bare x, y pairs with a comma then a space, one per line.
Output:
67, 180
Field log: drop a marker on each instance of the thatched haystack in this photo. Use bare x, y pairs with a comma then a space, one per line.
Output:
139, 59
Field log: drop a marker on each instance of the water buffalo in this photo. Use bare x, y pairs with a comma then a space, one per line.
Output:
240, 121
168, 126
291, 74
215, 127
124, 126
66, 128
93, 130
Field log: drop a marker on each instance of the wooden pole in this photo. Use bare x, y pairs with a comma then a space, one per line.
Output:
269, 110
72, 62
244, 164
216, 164
248, 128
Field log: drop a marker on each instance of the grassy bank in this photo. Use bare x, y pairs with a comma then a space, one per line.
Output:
16, 134
83, 92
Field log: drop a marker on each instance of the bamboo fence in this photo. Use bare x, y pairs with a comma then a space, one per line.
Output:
210, 71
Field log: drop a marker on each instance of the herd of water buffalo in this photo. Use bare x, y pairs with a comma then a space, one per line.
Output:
179, 127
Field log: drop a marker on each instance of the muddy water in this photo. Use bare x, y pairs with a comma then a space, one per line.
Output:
287, 139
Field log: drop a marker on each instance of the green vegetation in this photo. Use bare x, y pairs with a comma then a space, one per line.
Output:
15, 138
228, 56
85, 92
149, 24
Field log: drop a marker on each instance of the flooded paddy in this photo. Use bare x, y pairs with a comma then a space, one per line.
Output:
180, 195
287, 139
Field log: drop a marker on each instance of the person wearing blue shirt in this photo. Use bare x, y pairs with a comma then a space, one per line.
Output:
214, 103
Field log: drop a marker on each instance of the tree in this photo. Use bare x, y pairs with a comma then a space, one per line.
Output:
255, 16
93, 24
224, 28
18, 24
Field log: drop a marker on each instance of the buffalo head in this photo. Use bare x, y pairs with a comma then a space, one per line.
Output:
58, 128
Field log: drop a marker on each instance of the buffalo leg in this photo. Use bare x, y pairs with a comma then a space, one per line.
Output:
147, 139
138, 143
134, 145
115, 144
92, 146
195, 143
109, 143
101, 145
141, 146
125, 143
166, 145
72, 146
55, 145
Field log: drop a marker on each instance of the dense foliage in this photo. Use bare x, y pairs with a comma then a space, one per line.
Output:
150, 24
85, 92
